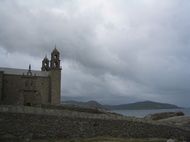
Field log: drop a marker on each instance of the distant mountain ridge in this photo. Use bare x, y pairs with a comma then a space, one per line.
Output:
130, 106
141, 105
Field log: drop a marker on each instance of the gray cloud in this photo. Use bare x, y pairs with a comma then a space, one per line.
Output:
112, 51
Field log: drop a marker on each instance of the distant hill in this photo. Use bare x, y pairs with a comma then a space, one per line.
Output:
91, 104
131, 106
141, 105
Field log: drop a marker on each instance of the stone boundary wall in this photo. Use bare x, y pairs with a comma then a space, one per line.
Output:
17, 122
63, 113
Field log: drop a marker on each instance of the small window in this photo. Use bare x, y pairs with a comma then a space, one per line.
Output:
26, 84
55, 56
55, 64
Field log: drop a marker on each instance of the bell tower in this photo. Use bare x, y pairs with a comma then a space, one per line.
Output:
55, 75
55, 61
45, 64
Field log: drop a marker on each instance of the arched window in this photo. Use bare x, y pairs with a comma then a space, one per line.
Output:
55, 64
55, 56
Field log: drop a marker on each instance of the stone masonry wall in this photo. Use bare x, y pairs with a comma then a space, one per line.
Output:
43, 86
55, 75
37, 123
13, 84
11, 87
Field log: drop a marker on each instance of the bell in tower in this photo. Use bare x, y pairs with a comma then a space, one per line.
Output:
45, 64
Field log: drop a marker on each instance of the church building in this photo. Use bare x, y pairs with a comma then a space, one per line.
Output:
31, 87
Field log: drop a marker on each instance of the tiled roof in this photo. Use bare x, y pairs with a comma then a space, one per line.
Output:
21, 71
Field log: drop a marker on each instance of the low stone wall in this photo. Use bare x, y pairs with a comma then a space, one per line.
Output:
37, 123
62, 113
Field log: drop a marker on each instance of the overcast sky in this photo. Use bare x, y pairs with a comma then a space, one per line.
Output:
112, 51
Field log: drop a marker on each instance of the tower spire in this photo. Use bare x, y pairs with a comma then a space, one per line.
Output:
29, 67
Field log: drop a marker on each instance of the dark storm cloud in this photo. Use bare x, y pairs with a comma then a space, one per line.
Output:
111, 51
40, 26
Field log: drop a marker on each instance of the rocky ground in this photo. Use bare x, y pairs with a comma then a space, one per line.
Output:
183, 121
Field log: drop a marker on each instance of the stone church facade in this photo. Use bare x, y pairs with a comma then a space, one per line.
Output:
30, 87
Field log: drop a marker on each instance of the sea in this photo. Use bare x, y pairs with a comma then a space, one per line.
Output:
142, 113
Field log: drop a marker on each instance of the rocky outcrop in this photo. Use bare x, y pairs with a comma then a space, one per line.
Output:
183, 121
171, 118
163, 115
